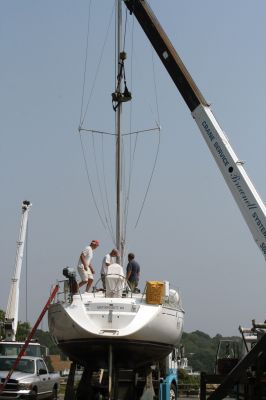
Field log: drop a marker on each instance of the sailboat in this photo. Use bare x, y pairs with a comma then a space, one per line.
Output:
117, 326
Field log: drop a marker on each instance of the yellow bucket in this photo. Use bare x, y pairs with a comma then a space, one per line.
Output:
155, 292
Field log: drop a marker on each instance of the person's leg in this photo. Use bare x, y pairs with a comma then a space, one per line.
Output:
103, 280
83, 276
89, 283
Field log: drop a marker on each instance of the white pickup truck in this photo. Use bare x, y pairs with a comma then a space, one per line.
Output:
30, 381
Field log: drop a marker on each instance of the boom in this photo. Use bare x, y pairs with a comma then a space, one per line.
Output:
242, 189
11, 317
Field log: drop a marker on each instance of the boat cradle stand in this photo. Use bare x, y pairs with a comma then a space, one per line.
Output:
84, 390
120, 384
254, 387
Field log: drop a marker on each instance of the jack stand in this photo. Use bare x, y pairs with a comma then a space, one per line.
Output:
148, 391
70, 393
110, 373
84, 389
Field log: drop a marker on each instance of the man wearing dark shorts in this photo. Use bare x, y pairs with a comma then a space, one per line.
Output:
133, 271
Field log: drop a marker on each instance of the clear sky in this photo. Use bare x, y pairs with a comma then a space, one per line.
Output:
191, 231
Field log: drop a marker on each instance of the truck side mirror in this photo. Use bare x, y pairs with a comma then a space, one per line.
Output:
42, 371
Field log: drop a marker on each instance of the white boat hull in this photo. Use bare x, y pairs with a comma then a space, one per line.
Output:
139, 333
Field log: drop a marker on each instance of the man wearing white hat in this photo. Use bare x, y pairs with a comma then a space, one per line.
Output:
85, 268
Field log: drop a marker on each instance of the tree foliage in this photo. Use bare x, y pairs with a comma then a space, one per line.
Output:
22, 331
201, 350
2, 316
45, 339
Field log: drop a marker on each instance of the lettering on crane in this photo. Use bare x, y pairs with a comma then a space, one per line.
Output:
216, 144
259, 224
208, 130
236, 179
221, 154
263, 247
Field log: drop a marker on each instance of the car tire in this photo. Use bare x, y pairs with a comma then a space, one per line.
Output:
54, 395
33, 395
173, 392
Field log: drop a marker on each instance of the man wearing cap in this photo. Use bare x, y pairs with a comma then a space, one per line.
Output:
108, 260
85, 269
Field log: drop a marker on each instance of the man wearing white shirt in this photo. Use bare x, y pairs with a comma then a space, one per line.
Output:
107, 260
85, 268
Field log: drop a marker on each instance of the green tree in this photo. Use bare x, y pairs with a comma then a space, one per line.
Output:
45, 339
201, 350
2, 316
23, 330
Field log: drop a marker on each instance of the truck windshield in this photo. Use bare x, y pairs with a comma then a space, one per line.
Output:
13, 349
23, 366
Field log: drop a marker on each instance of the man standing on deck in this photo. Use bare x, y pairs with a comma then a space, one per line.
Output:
133, 271
85, 268
107, 260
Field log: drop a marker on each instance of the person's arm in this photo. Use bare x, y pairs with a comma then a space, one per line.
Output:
89, 260
83, 260
128, 272
92, 269
107, 261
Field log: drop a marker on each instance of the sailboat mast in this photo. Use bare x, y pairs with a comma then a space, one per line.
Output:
119, 222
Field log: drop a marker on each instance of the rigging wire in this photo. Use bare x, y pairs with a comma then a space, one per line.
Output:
85, 64
106, 195
98, 67
142, 131
127, 194
125, 32
126, 201
155, 88
132, 159
95, 131
105, 220
89, 180
100, 187
132, 152
116, 51
123, 134
158, 147
149, 184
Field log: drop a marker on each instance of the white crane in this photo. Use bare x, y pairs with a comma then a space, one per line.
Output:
11, 317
